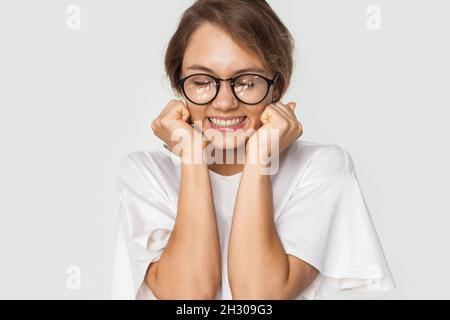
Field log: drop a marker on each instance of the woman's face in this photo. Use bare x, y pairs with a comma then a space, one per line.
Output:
212, 51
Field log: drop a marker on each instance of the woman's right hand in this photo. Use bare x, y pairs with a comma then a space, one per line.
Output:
173, 127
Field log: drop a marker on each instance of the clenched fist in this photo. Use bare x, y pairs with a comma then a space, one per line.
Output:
173, 127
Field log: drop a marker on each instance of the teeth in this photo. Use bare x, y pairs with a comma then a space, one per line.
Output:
227, 123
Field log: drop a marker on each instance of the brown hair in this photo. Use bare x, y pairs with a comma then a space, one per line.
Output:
252, 24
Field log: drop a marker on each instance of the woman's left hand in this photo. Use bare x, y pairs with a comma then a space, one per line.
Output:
278, 122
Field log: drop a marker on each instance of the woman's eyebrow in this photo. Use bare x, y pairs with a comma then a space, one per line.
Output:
203, 68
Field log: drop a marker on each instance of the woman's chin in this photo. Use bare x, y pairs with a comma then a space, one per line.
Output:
228, 144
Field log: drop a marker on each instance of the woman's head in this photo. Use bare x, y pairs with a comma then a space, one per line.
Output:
221, 38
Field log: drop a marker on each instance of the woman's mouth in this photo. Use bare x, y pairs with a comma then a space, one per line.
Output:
227, 124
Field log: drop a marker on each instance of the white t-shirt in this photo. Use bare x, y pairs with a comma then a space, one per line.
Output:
319, 211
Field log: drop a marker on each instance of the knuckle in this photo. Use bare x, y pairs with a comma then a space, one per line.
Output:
294, 125
153, 125
299, 128
286, 123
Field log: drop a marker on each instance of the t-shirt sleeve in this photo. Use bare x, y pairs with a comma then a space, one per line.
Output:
145, 223
326, 223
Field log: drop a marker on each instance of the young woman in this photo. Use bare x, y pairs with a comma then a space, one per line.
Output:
208, 215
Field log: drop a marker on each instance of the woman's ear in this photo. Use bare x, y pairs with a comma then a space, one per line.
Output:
275, 95
189, 120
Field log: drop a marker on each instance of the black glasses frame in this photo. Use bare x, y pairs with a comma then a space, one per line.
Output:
232, 80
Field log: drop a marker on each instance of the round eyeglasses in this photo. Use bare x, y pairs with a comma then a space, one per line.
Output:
248, 88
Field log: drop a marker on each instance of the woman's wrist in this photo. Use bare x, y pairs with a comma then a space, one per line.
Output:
255, 156
194, 154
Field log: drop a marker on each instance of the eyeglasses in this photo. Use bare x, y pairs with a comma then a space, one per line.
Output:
248, 88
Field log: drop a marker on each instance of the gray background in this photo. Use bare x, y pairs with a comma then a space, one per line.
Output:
73, 102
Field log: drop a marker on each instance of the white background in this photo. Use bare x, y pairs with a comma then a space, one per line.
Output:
74, 102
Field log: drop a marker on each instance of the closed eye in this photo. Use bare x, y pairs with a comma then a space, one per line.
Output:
245, 85
202, 83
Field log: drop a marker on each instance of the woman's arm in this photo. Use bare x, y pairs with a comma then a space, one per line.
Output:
258, 267
189, 267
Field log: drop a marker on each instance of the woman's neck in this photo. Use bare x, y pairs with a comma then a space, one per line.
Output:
228, 164
226, 169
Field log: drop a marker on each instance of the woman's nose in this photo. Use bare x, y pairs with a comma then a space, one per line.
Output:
225, 99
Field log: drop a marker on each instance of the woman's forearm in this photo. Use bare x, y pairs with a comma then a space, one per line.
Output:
189, 267
258, 267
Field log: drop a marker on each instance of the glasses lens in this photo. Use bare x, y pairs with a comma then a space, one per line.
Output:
200, 88
250, 88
